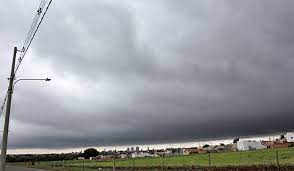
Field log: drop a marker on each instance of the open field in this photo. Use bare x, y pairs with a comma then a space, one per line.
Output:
264, 157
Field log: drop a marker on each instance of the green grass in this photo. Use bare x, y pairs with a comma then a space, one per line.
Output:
245, 158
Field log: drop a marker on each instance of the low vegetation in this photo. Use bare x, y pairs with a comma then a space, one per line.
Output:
281, 157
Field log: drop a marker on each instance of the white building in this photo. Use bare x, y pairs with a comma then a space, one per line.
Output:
123, 156
289, 136
168, 153
94, 158
141, 154
249, 145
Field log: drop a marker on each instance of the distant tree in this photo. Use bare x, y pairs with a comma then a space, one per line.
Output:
104, 153
90, 152
282, 136
205, 146
236, 140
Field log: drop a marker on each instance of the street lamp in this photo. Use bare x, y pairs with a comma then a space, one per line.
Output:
6, 125
32, 79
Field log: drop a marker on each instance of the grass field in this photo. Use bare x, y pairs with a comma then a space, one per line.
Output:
245, 158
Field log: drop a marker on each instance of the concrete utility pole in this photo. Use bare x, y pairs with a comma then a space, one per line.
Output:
7, 115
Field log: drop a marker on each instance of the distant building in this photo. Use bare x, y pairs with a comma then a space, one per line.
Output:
141, 154
158, 152
208, 149
105, 158
188, 151
250, 145
276, 144
230, 147
289, 136
123, 156
177, 151
168, 152
81, 158
156, 155
137, 149
95, 158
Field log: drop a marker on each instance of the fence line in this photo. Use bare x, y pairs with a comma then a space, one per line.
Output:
267, 158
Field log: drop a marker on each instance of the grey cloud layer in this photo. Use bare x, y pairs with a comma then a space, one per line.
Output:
149, 72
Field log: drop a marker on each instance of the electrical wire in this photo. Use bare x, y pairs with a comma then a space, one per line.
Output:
4, 102
32, 33
32, 28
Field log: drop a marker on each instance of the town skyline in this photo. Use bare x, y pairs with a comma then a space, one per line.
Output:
145, 146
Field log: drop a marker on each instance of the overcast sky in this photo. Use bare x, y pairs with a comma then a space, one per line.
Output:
132, 72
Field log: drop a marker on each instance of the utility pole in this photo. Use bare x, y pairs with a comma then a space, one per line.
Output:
209, 161
133, 164
278, 163
7, 115
113, 167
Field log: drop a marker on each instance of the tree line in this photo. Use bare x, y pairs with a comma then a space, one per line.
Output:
90, 152
41, 157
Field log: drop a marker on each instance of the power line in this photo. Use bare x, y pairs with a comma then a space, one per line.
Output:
33, 30
3, 105
33, 25
29, 38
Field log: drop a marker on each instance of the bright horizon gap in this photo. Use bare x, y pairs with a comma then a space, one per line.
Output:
143, 146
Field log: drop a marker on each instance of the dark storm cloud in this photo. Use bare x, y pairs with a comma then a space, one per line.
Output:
150, 72
102, 38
